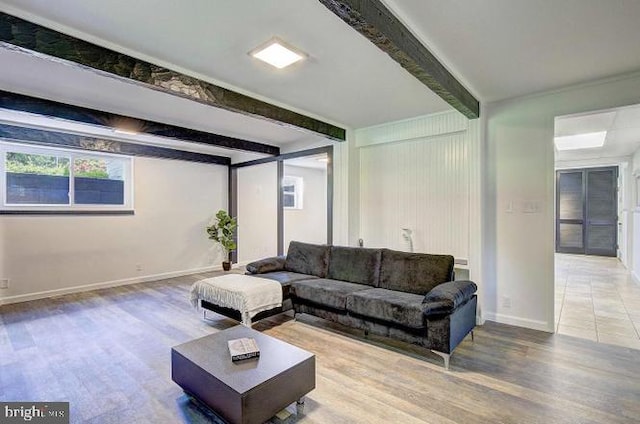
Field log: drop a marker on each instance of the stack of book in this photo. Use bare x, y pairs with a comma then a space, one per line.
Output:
243, 348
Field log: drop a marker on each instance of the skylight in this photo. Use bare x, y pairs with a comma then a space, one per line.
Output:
581, 141
276, 53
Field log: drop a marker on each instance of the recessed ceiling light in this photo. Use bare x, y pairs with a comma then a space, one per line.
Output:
580, 141
277, 53
125, 131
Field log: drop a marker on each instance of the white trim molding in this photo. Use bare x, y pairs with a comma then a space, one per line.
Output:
106, 284
519, 322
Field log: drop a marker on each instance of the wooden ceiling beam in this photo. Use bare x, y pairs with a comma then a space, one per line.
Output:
52, 138
22, 103
374, 21
30, 36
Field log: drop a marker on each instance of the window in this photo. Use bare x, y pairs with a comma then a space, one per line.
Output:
35, 178
292, 190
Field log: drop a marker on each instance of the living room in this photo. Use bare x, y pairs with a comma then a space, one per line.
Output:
481, 190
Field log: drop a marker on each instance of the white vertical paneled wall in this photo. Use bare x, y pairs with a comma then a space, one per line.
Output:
416, 174
340, 167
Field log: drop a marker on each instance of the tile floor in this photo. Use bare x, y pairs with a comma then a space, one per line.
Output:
597, 299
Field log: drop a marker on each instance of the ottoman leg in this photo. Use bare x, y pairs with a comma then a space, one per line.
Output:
300, 406
246, 319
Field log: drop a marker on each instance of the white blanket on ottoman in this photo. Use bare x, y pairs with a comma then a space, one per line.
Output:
247, 294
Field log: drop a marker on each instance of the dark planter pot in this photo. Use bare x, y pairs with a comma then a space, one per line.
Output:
226, 266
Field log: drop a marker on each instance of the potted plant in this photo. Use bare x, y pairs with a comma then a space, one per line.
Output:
222, 231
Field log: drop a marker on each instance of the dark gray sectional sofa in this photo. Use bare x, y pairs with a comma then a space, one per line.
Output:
407, 296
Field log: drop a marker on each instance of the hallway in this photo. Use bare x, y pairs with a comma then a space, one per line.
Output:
597, 299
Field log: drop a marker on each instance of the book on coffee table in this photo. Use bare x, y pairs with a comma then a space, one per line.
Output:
243, 348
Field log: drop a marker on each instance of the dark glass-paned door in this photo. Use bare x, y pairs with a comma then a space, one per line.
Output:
586, 211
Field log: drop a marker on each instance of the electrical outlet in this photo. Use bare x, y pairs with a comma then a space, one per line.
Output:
4, 283
506, 302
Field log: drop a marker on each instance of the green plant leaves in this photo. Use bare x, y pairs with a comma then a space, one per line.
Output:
223, 229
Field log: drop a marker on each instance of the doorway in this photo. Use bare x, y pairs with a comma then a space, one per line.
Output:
304, 199
596, 158
587, 211
281, 198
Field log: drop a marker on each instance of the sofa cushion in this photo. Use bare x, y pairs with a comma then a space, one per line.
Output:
286, 278
389, 306
326, 292
355, 264
305, 258
272, 264
414, 272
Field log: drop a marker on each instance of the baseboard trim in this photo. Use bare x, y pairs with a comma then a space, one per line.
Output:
519, 322
105, 284
635, 277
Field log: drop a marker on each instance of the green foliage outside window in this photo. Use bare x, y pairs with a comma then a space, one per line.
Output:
90, 168
24, 163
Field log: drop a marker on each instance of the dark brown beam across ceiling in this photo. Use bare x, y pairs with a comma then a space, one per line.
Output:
24, 135
22, 103
372, 19
31, 36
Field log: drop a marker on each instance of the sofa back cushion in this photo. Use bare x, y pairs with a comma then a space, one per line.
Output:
355, 265
414, 272
305, 258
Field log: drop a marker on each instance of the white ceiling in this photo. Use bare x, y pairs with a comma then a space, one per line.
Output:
314, 162
623, 133
345, 79
63, 82
508, 48
497, 48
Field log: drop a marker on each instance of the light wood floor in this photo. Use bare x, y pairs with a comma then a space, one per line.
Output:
107, 352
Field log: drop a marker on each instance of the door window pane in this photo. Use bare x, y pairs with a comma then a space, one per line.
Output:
571, 235
570, 195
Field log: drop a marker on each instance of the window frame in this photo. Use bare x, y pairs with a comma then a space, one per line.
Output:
72, 154
298, 191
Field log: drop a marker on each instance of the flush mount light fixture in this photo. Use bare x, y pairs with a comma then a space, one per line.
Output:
277, 53
125, 131
580, 141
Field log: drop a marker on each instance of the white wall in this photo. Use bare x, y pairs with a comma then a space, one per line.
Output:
518, 210
341, 181
257, 212
634, 218
424, 174
308, 224
420, 184
174, 201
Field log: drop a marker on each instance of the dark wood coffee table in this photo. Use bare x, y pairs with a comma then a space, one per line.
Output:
249, 391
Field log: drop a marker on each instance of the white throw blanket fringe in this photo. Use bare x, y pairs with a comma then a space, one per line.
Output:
247, 294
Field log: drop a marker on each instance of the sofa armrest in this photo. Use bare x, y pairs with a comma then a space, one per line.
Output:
263, 266
445, 298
